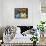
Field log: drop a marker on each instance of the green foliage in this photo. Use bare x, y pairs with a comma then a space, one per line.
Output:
41, 26
34, 38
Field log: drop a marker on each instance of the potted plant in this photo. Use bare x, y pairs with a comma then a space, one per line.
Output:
34, 39
41, 27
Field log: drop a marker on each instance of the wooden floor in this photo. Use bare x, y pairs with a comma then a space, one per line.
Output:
42, 41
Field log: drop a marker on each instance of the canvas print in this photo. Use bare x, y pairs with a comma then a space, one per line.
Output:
21, 12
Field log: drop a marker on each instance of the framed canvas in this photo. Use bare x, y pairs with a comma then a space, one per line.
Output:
21, 13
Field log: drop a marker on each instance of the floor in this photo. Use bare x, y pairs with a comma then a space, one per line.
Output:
42, 41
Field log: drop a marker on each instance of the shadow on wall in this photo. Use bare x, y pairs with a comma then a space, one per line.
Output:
1, 33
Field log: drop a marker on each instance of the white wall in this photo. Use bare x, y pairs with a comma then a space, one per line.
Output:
33, 12
1, 12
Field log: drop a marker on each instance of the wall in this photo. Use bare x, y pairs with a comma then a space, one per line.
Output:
1, 12
33, 12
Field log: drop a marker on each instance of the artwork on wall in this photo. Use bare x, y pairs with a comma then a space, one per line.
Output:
43, 6
21, 13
